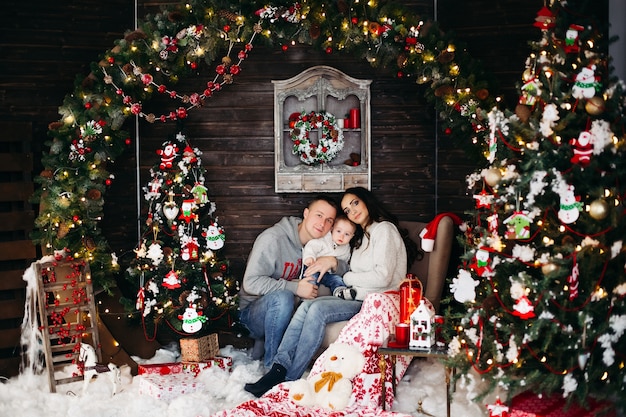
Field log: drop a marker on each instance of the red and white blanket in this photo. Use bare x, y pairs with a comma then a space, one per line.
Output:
367, 330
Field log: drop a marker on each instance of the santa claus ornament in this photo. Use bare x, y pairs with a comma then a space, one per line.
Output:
582, 148
168, 153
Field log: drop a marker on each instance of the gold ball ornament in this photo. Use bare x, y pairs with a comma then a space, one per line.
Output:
548, 268
493, 177
595, 106
599, 209
528, 75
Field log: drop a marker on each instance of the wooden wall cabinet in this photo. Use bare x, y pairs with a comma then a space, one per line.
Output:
322, 88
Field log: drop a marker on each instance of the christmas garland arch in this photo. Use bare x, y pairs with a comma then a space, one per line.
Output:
189, 38
329, 145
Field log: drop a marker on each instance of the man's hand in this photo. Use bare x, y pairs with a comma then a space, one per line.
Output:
321, 265
306, 289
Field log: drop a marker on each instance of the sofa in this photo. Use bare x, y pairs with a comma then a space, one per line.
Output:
431, 270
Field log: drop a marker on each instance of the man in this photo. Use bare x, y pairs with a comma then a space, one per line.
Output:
272, 281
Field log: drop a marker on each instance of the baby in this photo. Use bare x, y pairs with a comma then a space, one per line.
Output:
336, 243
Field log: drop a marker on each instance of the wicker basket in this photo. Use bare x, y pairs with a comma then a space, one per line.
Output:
199, 349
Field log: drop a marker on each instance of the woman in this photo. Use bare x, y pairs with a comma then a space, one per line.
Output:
379, 263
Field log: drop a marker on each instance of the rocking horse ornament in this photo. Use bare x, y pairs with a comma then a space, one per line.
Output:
89, 360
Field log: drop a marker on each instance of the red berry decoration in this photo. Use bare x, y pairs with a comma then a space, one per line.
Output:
400, 74
226, 28
284, 48
108, 181
448, 131
111, 60
355, 20
127, 141
162, 89
75, 218
88, 105
329, 50
194, 65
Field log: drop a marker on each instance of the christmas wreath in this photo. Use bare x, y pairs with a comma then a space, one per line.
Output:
330, 142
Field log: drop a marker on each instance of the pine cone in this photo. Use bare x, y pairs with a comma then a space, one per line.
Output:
227, 14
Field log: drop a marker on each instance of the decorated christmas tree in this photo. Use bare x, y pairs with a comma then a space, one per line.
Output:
184, 285
543, 279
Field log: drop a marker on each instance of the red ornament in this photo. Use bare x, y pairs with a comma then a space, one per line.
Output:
235, 69
400, 74
88, 105
226, 28
220, 69
108, 181
545, 19
448, 131
111, 60
193, 65
355, 20
127, 141
329, 50
284, 48
75, 218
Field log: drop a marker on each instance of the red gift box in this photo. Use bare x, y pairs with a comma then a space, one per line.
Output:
160, 368
168, 387
223, 362
529, 404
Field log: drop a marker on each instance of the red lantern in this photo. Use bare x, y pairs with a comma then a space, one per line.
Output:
410, 296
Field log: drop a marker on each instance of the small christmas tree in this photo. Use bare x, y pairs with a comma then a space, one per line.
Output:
543, 278
183, 284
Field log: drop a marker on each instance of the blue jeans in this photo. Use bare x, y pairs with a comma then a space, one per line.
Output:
332, 281
305, 332
267, 318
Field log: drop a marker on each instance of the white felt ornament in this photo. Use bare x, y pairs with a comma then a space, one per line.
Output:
463, 287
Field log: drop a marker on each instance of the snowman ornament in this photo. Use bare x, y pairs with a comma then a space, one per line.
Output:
215, 237
570, 206
464, 287
586, 83
192, 320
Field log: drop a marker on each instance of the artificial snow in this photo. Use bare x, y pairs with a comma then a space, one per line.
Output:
28, 395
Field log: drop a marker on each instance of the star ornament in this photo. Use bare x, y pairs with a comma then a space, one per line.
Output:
498, 409
483, 199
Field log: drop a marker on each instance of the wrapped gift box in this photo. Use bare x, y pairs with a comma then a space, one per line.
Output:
529, 404
160, 368
168, 387
223, 362
199, 349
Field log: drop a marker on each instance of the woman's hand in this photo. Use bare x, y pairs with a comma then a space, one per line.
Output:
322, 265
307, 289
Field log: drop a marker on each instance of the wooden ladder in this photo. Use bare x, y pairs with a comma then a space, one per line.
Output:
68, 317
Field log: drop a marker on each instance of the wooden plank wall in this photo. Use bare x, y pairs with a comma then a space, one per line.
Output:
416, 172
16, 222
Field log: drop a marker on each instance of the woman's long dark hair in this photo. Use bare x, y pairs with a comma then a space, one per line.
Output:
378, 213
